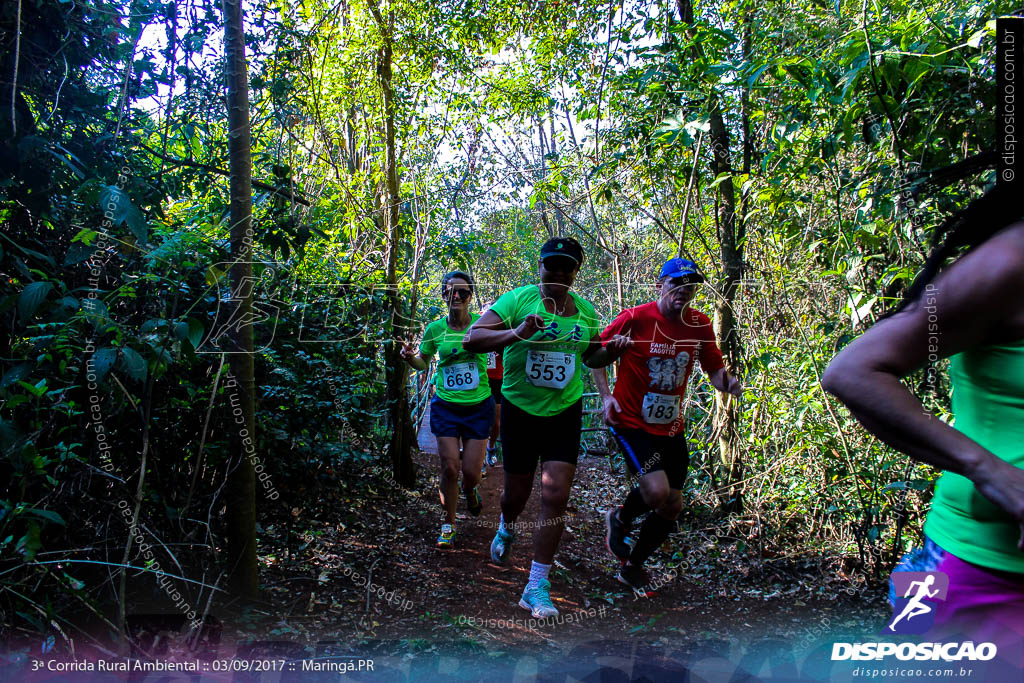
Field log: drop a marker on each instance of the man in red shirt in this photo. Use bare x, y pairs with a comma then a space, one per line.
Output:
657, 343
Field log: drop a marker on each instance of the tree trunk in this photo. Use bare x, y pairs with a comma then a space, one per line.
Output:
402, 435
241, 485
731, 251
559, 220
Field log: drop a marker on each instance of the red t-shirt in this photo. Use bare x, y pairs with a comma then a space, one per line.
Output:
495, 368
653, 371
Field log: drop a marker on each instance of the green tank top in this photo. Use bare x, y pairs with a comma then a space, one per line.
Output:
461, 375
988, 405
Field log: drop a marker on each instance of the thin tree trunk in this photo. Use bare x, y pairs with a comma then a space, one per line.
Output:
560, 222
402, 436
731, 251
241, 485
543, 174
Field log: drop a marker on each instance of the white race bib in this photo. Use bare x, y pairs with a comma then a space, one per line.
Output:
660, 409
492, 360
552, 369
460, 377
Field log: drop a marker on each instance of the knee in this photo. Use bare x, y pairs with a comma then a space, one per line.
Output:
450, 469
656, 497
555, 498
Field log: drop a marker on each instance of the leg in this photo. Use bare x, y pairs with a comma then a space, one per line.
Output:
514, 496
556, 480
654, 489
659, 524
519, 430
448, 452
637, 451
633, 506
472, 457
492, 439
558, 468
495, 429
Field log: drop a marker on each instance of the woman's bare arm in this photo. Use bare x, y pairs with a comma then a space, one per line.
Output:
976, 302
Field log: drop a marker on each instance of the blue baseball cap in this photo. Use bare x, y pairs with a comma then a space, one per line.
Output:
680, 267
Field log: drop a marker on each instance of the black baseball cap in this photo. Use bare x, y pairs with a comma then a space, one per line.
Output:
562, 246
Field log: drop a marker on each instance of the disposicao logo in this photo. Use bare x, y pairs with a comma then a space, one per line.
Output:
947, 652
914, 613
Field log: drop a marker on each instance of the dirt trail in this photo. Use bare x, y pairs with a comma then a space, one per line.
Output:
359, 527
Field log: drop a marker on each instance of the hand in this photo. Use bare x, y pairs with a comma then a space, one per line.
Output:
733, 386
617, 345
1003, 484
407, 351
611, 408
530, 326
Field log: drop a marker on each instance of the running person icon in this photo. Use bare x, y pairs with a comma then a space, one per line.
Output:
658, 343
546, 331
916, 607
462, 409
971, 312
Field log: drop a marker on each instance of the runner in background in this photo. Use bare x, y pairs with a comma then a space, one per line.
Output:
971, 312
546, 330
462, 409
495, 371
658, 343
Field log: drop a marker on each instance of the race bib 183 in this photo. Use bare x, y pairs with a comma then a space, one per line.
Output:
552, 369
660, 409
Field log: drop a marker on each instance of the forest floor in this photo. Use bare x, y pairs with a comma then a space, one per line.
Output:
350, 565
357, 527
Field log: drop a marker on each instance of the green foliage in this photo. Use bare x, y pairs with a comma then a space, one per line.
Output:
513, 122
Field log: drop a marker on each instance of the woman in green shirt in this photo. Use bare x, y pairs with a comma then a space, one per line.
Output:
973, 312
546, 331
462, 409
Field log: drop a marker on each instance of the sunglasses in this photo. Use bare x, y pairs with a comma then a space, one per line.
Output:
683, 282
560, 264
460, 294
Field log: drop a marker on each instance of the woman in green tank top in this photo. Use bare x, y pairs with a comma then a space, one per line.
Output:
546, 331
462, 409
972, 311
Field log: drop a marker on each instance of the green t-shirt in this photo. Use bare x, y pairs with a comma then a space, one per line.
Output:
461, 376
988, 402
544, 374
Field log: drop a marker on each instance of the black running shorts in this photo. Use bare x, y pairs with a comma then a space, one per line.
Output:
646, 453
525, 438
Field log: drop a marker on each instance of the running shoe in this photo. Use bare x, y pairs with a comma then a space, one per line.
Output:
473, 502
492, 456
501, 546
615, 539
483, 469
538, 600
447, 537
635, 577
